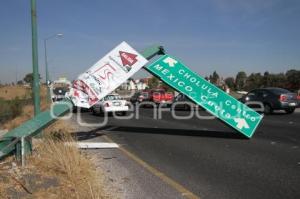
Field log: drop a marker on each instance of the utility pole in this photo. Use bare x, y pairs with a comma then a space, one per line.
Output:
17, 75
47, 72
36, 77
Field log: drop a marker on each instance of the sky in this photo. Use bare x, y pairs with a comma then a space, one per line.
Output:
223, 35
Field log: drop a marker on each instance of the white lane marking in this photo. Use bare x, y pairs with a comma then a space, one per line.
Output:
94, 145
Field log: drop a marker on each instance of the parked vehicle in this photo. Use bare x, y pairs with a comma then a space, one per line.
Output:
158, 96
111, 103
182, 102
139, 97
273, 99
59, 93
58, 89
298, 98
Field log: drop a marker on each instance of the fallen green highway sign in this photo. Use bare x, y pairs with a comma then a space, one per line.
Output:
213, 99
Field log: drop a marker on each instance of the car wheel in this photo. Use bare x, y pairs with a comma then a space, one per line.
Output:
74, 109
103, 113
94, 111
123, 113
187, 107
290, 110
268, 109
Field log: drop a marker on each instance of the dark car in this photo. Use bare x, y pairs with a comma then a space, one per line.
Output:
157, 96
272, 99
59, 93
181, 101
139, 97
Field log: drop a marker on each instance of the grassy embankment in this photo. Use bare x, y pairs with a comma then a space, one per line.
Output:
54, 170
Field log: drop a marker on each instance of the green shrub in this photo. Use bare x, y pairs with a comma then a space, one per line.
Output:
10, 109
16, 106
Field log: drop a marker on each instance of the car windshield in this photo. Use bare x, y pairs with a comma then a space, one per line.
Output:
159, 91
112, 97
279, 91
60, 90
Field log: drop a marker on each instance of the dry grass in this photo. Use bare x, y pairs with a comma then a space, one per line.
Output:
28, 110
26, 114
11, 92
76, 174
52, 158
75, 171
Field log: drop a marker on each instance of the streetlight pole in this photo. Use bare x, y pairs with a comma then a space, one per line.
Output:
36, 78
46, 64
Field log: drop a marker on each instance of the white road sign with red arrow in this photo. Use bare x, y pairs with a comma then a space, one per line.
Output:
106, 75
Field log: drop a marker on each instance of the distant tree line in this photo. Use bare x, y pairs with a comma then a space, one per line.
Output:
289, 80
28, 79
243, 82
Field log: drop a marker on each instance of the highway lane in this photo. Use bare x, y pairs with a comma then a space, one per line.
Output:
212, 160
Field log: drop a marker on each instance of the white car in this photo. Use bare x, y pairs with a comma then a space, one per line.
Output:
111, 103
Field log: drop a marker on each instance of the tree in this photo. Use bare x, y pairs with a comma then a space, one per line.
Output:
293, 79
153, 82
240, 80
29, 78
267, 79
254, 81
229, 81
20, 82
215, 78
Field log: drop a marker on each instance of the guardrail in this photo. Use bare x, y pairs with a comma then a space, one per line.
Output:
21, 136
31, 128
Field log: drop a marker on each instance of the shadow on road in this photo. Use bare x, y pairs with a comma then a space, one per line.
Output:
181, 132
86, 135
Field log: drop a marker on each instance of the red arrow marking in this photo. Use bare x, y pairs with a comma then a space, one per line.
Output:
76, 94
128, 58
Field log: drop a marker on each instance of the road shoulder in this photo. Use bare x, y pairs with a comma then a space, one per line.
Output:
124, 177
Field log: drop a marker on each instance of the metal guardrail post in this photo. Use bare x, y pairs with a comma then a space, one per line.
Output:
23, 148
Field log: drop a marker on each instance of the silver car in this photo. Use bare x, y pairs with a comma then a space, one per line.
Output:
111, 103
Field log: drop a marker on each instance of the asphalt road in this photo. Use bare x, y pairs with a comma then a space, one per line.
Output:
212, 160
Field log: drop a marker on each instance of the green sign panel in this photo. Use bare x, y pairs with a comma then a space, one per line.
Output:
214, 100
